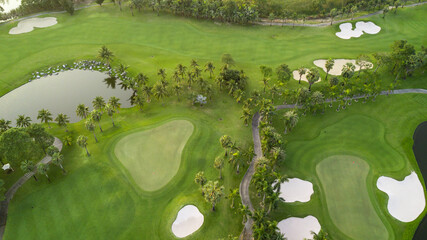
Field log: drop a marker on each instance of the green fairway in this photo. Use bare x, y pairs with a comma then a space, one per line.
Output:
343, 180
378, 132
153, 156
147, 42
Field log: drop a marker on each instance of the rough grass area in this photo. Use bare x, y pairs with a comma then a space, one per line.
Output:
378, 132
343, 180
152, 156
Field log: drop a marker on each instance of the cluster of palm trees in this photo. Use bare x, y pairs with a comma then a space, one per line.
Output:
212, 191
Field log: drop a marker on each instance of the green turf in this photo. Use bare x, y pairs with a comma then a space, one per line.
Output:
343, 181
378, 132
153, 156
98, 198
146, 43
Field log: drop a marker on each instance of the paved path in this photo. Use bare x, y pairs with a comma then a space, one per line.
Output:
246, 181
327, 23
12, 190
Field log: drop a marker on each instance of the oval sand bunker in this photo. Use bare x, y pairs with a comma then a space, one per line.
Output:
28, 25
153, 156
296, 190
347, 31
406, 198
299, 228
188, 220
339, 64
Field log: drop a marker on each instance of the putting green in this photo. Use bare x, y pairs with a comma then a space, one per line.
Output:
343, 179
153, 156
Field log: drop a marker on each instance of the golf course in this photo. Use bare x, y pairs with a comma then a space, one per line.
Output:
213, 118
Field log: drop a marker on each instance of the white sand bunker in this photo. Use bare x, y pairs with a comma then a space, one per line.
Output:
28, 25
299, 228
406, 198
339, 64
188, 220
347, 31
296, 190
304, 76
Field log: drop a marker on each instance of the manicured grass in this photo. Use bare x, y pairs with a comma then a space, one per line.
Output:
378, 132
343, 180
98, 198
152, 156
146, 43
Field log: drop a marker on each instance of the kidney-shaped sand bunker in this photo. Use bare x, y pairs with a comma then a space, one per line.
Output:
153, 156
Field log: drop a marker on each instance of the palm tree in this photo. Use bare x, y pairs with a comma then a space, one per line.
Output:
96, 116
162, 73
181, 70
110, 112
200, 179
177, 88
82, 142
28, 166
176, 76
197, 72
160, 91
45, 116
147, 91
209, 67
246, 115
58, 159
190, 79
82, 111
265, 82
5, 125
301, 71
219, 164
115, 103
291, 120
141, 79
89, 124
62, 120
312, 77
23, 121
43, 169
329, 65
333, 13
194, 63
213, 192
226, 143
322, 235
232, 195
105, 54
98, 103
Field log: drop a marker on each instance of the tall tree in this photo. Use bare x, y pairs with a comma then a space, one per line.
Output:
141, 79
99, 2
115, 103
16, 145
227, 60
58, 159
5, 125
45, 116
110, 112
82, 111
246, 115
98, 103
329, 65
82, 142
42, 138
200, 179
209, 67
43, 168
62, 120
301, 71
234, 193
219, 164
105, 54
90, 125
333, 13
23, 121
312, 77
96, 116
283, 73
160, 91
291, 119
213, 193
29, 166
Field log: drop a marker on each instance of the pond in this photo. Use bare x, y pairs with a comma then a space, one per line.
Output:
420, 152
61, 93
8, 5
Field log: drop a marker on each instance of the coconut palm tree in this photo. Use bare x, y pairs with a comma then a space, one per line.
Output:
115, 103
322, 235
43, 168
82, 111
200, 178
89, 124
110, 112
162, 73
45, 116
181, 69
82, 142
329, 65
213, 192
291, 120
209, 67
301, 71
160, 91
5, 125
312, 76
147, 91
219, 164
141, 79
105, 54
226, 143
58, 159
177, 89
28, 166
96, 116
98, 103
234, 193
193, 63
23, 121
62, 120
246, 115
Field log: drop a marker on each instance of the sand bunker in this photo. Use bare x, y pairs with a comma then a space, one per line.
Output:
406, 198
304, 76
188, 220
28, 25
347, 31
299, 228
296, 190
338, 65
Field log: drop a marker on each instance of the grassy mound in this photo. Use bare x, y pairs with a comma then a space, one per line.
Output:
153, 156
343, 180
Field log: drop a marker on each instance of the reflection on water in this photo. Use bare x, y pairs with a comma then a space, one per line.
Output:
60, 94
8, 5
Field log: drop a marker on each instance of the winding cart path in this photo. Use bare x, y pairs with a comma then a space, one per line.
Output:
12, 190
245, 183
